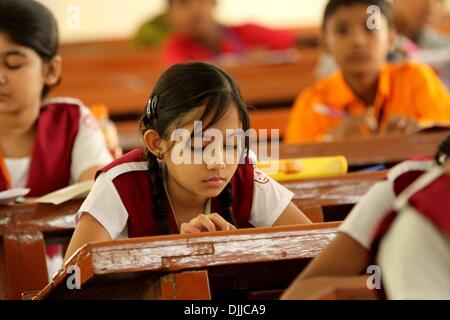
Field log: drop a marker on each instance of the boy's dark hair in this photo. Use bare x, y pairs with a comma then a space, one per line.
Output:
30, 24
181, 89
334, 5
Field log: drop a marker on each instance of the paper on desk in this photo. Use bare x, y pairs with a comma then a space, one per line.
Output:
12, 194
76, 191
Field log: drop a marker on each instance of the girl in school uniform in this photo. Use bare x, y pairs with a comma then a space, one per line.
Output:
348, 256
412, 243
45, 145
151, 192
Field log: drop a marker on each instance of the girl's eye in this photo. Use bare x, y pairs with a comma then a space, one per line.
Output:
14, 62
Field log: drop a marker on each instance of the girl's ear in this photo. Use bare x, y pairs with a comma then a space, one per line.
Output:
152, 141
52, 71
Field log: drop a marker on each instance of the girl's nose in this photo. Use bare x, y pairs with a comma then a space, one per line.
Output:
2, 79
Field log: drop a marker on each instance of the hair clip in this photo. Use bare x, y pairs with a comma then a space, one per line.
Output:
151, 107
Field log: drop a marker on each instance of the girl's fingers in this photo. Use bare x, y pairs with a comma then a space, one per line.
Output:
220, 222
206, 223
187, 228
203, 223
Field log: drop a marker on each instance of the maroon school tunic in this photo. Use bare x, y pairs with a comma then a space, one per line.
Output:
133, 185
57, 128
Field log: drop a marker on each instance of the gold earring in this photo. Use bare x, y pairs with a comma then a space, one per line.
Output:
160, 156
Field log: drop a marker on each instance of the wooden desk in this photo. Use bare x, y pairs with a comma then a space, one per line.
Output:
370, 150
201, 266
331, 199
121, 77
24, 230
327, 199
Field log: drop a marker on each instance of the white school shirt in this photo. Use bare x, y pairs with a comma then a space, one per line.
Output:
365, 217
270, 199
414, 256
89, 149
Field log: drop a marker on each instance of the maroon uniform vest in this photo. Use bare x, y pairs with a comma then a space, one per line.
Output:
57, 128
134, 187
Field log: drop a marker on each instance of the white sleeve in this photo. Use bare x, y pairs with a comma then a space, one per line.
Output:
368, 213
90, 147
105, 205
414, 258
269, 200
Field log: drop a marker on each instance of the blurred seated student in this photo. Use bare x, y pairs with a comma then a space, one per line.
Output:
412, 20
200, 37
153, 32
414, 34
177, 185
347, 258
367, 96
414, 241
45, 145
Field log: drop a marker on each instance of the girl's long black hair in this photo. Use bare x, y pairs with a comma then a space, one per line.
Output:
181, 89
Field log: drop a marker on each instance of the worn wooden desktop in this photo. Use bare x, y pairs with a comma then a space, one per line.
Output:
24, 230
366, 151
201, 266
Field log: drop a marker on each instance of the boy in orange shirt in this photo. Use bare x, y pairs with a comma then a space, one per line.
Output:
366, 96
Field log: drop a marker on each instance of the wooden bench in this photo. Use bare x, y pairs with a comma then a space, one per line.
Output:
201, 266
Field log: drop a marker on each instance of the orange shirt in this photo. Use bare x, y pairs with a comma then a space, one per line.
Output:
407, 89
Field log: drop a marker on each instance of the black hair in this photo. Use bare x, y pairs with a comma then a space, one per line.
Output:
30, 24
334, 5
443, 151
181, 89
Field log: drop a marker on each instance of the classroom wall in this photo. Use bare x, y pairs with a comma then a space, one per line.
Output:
110, 19
90, 20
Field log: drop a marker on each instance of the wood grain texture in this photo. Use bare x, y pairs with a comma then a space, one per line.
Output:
246, 258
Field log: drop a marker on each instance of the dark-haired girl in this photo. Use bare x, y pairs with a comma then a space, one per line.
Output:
150, 193
345, 260
45, 145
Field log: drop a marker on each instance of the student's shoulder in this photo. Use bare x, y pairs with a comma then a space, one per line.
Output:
133, 161
65, 105
323, 89
412, 69
63, 102
405, 173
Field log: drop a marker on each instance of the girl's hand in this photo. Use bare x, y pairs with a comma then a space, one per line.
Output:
206, 223
401, 124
